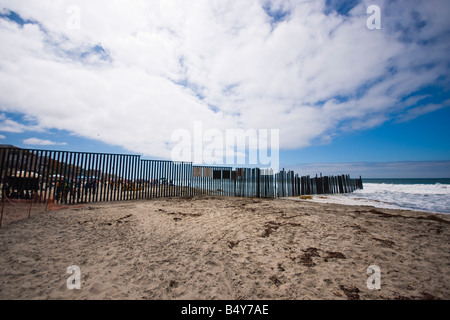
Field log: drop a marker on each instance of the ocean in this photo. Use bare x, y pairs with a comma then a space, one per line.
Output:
430, 195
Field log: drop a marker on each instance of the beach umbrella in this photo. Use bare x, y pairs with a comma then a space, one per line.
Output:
25, 174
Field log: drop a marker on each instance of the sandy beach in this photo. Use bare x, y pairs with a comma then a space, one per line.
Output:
225, 248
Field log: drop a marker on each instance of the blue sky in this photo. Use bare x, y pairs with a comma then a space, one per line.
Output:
425, 138
343, 97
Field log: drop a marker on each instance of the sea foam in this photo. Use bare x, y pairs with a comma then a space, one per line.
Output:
419, 197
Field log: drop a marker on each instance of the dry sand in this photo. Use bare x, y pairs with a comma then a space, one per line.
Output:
225, 248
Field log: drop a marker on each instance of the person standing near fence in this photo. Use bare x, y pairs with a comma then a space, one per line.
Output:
6, 190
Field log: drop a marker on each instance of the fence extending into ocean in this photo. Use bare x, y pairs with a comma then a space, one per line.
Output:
81, 177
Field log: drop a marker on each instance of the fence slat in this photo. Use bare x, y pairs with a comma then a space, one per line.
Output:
74, 177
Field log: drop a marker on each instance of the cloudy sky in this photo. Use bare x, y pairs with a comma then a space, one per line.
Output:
123, 76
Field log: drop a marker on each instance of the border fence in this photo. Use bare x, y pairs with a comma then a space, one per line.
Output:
67, 177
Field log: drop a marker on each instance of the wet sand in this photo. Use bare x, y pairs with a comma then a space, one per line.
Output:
225, 248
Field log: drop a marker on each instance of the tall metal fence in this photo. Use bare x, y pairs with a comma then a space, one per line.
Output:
81, 177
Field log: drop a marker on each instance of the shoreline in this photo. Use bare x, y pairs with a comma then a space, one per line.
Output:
221, 248
359, 202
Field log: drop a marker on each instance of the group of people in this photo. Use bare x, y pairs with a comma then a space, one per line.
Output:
62, 189
9, 192
65, 190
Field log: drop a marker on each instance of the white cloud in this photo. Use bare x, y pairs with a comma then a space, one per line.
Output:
424, 109
166, 64
9, 125
42, 142
2, 137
